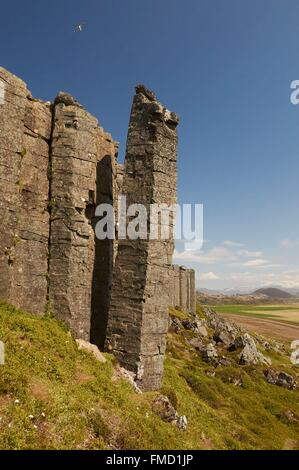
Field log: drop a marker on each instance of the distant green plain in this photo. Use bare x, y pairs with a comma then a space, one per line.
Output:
286, 313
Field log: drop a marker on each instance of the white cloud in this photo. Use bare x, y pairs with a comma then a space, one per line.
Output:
235, 266
260, 278
288, 243
232, 243
248, 281
256, 262
250, 254
209, 276
216, 255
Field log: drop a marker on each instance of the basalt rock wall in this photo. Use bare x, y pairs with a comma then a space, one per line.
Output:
25, 131
182, 288
56, 166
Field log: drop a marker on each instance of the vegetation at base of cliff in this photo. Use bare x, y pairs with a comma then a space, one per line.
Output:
53, 396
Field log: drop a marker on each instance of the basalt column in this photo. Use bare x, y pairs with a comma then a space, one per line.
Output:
81, 166
138, 317
192, 290
182, 292
25, 128
174, 287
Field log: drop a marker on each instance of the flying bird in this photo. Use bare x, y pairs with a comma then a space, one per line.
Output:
79, 28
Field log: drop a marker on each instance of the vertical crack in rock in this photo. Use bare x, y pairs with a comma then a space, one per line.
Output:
106, 193
49, 205
138, 318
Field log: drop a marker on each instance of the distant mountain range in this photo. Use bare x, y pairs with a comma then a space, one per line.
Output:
273, 293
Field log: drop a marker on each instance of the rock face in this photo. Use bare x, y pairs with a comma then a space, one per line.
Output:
182, 290
242, 341
175, 324
56, 166
224, 337
282, 379
209, 353
91, 348
219, 324
215, 338
138, 318
249, 354
82, 163
196, 325
25, 129
163, 407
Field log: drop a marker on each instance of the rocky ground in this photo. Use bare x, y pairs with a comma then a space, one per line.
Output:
223, 388
222, 343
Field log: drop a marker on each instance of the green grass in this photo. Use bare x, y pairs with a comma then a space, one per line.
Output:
263, 311
260, 308
53, 396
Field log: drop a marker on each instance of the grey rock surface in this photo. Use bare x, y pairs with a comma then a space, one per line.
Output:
91, 348
281, 379
138, 317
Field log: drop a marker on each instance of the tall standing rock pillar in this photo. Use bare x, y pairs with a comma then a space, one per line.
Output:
138, 317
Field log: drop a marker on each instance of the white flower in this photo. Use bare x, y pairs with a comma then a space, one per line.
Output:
17, 402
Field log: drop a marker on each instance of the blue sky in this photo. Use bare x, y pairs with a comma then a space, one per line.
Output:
225, 66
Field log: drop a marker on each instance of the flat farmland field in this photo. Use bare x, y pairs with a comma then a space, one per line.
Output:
279, 321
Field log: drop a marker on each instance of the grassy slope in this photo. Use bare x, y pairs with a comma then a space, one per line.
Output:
65, 399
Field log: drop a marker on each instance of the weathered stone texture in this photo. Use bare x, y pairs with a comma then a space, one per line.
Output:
82, 161
182, 291
119, 177
118, 193
138, 317
25, 128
